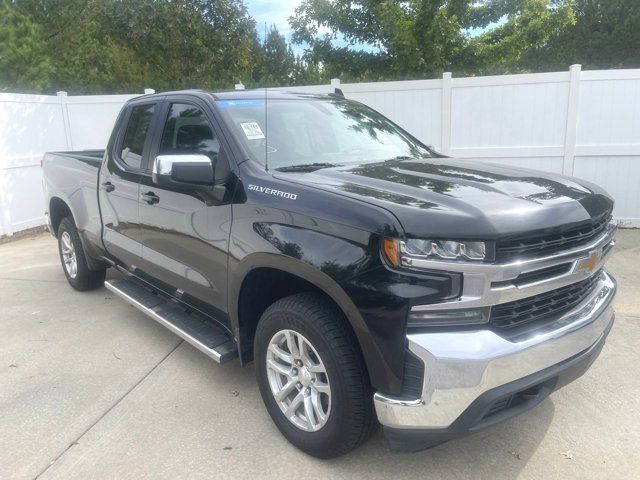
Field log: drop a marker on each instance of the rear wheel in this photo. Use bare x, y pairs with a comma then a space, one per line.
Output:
312, 376
73, 259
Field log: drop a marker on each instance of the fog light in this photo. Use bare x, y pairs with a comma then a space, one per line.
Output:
419, 317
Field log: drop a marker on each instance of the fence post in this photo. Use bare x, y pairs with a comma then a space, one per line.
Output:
571, 129
445, 146
62, 96
6, 228
5, 213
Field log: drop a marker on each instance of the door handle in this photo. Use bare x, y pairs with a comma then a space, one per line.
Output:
150, 197
108, 186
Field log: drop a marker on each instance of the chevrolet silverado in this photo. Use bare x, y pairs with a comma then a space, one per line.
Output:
370, 280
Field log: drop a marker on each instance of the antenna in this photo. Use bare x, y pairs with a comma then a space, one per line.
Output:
266, 123
337, 93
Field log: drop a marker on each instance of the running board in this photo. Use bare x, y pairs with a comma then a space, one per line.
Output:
207, 337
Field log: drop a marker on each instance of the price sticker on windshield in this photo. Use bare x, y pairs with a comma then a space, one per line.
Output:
252, 130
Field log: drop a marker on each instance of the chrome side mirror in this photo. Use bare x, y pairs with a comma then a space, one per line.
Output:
183, 172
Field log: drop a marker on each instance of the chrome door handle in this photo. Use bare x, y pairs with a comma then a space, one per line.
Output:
108, 186
150, 197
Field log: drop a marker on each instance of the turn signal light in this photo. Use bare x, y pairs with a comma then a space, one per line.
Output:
391, 251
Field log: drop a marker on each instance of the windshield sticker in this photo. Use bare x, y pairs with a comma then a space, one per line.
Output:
271, 191
252, 130
239, 103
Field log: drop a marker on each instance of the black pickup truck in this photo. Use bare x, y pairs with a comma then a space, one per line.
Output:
371, 279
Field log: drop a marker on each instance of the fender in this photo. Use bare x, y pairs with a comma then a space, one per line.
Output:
74, 182
333, 254
91, 255
377, 365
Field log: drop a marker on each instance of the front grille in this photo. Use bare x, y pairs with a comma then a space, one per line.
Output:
541, 274
548, 243
541, 307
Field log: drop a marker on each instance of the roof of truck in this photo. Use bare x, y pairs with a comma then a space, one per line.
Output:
253, 94
261, 93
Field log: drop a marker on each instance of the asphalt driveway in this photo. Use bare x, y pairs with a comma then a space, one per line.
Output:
92, 388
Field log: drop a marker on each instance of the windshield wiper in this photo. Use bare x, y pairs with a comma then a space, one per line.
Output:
306, 167
405, 157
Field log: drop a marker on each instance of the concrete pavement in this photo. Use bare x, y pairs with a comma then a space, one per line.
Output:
92, 388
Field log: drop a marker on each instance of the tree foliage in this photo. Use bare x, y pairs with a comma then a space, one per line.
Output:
418, 38
508, 46
124, 45
96, 46
606, 34
279, 59
22, 47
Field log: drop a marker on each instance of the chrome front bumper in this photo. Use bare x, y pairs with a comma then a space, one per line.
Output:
460, 366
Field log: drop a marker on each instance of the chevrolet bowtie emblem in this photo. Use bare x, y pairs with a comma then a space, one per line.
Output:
589, 264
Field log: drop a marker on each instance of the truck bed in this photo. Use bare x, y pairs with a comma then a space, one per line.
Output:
87, 156
73, 178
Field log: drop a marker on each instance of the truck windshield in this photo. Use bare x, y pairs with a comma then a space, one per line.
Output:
316, 133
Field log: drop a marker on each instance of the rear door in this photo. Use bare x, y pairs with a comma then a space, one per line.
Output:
119, 182
185, 241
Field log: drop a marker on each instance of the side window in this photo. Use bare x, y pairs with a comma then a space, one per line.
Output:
187, 130
136, 134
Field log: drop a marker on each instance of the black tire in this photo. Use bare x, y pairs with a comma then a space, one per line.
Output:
84, 279
351, 419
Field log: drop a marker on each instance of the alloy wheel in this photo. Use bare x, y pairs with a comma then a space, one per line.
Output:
298, 380
69, 255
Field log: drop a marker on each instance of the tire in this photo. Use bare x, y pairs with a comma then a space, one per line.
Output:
80, 277
329, 342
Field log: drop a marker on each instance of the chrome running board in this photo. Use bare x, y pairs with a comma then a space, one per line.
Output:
207, 337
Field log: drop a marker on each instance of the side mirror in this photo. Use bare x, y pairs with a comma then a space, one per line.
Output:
183, 172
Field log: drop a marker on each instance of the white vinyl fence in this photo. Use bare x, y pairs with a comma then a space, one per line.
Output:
581, 123
33, 124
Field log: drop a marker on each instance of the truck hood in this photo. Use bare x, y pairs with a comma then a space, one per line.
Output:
464, 199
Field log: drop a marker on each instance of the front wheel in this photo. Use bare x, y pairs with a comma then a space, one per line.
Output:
74, 262
312, 377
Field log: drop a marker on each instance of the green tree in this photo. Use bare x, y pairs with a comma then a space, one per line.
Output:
113, 46
606, 34
83, 58
279, 60
95, 46
417, 38
23, 59
183, 44
308, 73
521, 28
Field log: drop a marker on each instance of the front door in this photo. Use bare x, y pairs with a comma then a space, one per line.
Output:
184, 241
120, 181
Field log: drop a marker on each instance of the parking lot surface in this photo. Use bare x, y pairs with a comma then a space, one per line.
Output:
92, 388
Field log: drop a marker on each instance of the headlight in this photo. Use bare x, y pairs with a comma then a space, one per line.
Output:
401, 253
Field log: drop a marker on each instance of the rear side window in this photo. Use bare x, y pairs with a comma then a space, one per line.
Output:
187, 130
135, 135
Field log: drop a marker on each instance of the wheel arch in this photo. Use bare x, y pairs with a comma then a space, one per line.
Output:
58, 209
266, 270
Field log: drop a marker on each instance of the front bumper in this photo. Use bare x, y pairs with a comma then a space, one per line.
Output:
475, 378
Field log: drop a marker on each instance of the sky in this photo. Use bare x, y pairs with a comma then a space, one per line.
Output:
273, 12
277, 12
